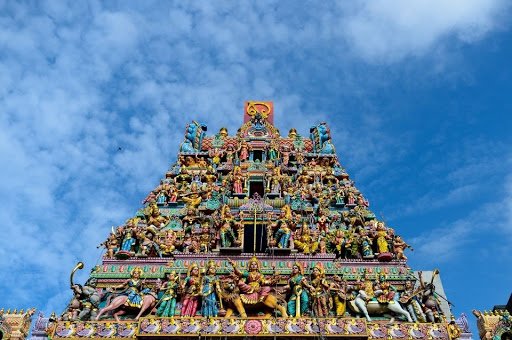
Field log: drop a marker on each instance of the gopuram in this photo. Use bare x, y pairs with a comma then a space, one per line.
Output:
255, 235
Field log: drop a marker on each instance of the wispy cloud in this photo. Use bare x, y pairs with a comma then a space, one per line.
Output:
381, 32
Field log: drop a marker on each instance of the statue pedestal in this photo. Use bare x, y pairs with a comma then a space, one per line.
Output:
385, 257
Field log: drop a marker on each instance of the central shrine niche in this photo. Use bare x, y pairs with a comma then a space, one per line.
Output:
256, 234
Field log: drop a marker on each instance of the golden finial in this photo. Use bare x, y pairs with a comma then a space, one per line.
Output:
292, 133
9, 311
21, 311
15, 311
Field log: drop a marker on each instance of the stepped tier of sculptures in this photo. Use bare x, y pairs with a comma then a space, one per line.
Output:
231, 209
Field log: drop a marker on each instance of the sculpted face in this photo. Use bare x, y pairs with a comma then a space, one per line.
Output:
295, 269
253, 266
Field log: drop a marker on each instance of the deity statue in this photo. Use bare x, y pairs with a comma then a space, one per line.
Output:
382, 238
319, 291
282, 235
238, 180
192, 198
273, 151
111, 244
253, 285
383, 290
304, 242
223, 133
128, 239
299, 298
167, 303
410, 300
209, 293
429, 300
243, 150
191, 288
147, 242
399, 247
454, 330
366, 244
227, 234
133, 296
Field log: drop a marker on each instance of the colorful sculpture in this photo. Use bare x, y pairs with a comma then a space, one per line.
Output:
191, 288
133, 296
297, 287
167, 302
209, 293
267, 202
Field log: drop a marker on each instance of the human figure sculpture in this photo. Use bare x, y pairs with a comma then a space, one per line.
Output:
428, 298
111, 244
254, 288
227, 235
191, 288
319, 291
244, 151
128, 239
410, 299
399, 247
209, 291
305, 243
298, 296
167, 303
366, 302
133, 296
382, 238
283, 235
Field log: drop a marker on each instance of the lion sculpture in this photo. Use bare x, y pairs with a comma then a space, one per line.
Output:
231, 301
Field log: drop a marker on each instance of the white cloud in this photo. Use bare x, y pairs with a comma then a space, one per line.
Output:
380, 31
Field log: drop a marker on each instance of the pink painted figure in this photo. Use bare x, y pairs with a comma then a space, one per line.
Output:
191, 288
244, 151
253, 285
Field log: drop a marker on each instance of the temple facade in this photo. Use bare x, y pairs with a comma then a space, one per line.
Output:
255, 234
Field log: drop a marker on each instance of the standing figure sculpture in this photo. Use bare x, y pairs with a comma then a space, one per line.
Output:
319, 291
409, 298
299, 299
167, 307
209, 291
428, 297
191, 288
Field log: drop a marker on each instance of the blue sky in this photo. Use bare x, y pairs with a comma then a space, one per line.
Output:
417, 94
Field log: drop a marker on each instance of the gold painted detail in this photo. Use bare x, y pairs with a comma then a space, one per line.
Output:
254, 108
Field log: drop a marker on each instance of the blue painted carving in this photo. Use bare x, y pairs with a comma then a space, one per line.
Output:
194, 134
321, 134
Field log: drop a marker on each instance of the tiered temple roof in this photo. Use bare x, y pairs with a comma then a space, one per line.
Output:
255, 234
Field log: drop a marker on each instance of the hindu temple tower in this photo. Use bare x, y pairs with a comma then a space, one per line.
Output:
255, 234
